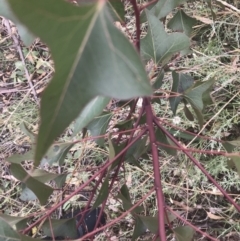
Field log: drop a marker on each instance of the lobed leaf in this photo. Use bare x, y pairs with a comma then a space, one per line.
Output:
158, 45
92, 57
181, 82
182, 22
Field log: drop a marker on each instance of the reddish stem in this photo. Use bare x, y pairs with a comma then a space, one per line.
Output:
120, 217
191, 225
147, 4
157, 175
137, 17
49, 212
196, 162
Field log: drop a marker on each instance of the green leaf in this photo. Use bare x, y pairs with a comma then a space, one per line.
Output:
126, 199
188, 113
164, 7
28, 132
159, 80
27, 238
57, 153
7, 233
18, 158
117, 148
116, 10
98, 126
41, 190
43, 176
139, 228
158, 45
184, 233
161, 137
182, 22
92, 58
6, 11
103, 193
229, 146
61, 227
171, 217
18, 222
125, 124
136, 151
111, 149
196, 95
27, 194
60, 180
236, 161
150, 223
181, 82
183, 135
91, 110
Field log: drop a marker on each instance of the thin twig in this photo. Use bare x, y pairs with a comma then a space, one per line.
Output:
197, 163
191, 225
19, 49
228, 5
49, 212
147, 4
119, 218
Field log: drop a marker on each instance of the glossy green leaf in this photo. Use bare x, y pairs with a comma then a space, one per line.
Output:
91, 110
139, 228
116, 10
6, 11
184, 233
103, 193
182, 22
92, 58
41, 190
61, 227
196, 95
150, 223
158, 45
181, 82
7, 233
98, 126
159, 80
161, 137
57, 153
